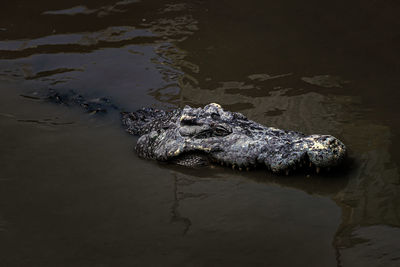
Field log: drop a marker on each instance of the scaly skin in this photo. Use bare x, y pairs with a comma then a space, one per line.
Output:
198, 136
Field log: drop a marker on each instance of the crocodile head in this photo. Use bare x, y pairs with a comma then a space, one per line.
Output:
195, 136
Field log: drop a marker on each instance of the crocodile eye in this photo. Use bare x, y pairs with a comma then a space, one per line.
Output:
218, 131
188, 120
221, 131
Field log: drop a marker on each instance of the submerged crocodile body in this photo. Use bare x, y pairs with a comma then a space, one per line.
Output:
202, 136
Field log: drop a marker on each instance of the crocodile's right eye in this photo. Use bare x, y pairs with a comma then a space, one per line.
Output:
189, 120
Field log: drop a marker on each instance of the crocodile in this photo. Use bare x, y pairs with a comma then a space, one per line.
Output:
211, 135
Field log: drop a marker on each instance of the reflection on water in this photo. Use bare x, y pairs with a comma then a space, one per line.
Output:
59, 43
325, 81
100, 12
277, 66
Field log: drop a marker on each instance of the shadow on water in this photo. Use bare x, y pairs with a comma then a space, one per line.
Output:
314, 67
323, 184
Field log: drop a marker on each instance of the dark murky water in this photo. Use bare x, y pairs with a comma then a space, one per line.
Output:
73, 193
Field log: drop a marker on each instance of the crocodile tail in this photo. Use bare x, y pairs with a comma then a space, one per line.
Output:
71, 98
139, 122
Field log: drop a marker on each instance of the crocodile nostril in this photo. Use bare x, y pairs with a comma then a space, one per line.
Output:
332, 142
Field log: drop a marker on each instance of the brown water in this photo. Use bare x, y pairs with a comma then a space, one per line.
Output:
73, 192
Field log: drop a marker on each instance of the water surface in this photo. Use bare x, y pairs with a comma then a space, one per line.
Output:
74, 193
